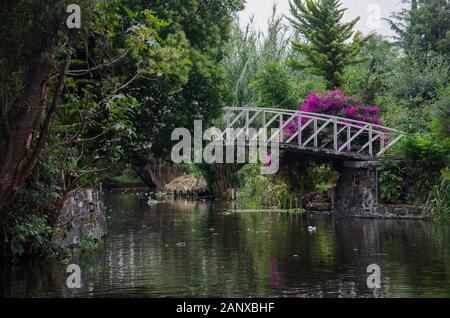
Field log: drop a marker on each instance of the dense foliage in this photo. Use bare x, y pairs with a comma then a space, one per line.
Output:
134, 71
409, 87
423, 27
77, 105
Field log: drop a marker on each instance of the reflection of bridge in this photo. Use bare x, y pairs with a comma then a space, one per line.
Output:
314, 133
354, 145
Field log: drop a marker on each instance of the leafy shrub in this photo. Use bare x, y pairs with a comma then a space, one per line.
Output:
426, 157
127, 177
441, 121
220, 177
325, 178
391, 182
418, 81
439, 200
257, 190
89, 240
412, 179
397, 113
310, 84
28, 235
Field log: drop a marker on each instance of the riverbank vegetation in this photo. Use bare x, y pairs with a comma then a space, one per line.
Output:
78, 102
402, 84
79, 105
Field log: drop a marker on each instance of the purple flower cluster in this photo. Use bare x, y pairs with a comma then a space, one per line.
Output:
335, 103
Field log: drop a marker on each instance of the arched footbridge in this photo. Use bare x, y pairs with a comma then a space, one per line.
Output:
313, 133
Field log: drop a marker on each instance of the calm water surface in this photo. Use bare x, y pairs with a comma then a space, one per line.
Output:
185, 248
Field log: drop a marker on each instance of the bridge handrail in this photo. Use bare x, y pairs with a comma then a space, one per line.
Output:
380, 138
316, 115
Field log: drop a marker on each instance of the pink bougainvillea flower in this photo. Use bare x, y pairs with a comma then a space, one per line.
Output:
351, 111
335, 103
290, 129
373, 109
269, 159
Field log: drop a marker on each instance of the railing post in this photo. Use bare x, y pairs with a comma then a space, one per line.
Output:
315, 135
263, 119
281, 134
382, 143
299, 124
228, 118
335, 136
247, 123
349, 135
370, 141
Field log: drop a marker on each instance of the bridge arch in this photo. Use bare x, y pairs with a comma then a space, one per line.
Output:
311, 132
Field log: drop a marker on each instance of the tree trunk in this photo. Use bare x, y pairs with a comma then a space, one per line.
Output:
20, 134
23, 139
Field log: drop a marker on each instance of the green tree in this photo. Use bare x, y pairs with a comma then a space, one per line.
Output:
441, 120
203, 28
273, 87
325, 49
248, 51
31, 51
423, 27
78, 83
369, 78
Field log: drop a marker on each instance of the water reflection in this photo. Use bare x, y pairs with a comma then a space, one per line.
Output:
185, 248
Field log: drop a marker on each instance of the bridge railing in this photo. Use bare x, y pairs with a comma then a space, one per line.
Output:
310, 130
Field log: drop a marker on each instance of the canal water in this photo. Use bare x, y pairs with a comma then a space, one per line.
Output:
196, 249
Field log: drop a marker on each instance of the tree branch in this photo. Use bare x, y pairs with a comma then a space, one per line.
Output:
53, 108
110, 62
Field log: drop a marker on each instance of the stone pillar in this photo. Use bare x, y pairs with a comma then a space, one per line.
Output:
356, 190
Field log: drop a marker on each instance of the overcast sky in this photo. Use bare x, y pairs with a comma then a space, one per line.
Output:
371, 12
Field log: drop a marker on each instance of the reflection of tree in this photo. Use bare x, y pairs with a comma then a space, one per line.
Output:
284, 238
245, 254
419, 257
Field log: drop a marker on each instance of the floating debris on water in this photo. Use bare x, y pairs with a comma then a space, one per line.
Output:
312, 228
152, 201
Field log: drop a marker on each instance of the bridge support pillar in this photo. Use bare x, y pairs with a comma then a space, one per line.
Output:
356, 192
